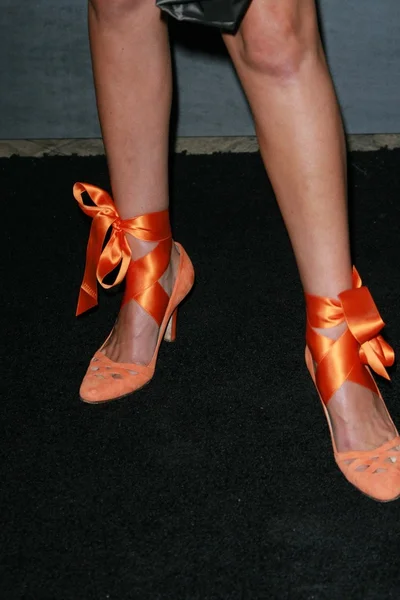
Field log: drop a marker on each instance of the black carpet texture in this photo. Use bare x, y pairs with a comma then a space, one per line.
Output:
216, 481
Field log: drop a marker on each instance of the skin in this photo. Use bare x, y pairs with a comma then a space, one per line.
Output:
279, 58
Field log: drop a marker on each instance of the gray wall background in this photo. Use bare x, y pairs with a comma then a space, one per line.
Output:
47, 91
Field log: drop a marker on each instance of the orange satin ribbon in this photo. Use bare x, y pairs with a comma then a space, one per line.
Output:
343, 359
101, 260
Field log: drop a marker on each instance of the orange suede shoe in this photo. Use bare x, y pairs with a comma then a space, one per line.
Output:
376, 473
105, 379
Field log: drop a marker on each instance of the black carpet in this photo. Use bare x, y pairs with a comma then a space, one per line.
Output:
217, 480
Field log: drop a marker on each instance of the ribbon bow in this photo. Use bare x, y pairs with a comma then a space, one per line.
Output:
364, 323
102, 260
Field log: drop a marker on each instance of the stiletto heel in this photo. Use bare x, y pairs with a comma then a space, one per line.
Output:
105, 379
331, 363
170, 332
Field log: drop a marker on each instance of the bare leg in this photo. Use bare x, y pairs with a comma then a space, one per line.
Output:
279, 58
132, 71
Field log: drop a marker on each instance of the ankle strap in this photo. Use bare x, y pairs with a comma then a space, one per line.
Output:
327, 312
344, 358
101, 260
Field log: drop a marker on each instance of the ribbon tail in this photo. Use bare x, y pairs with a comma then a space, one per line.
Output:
88, 292
376, 362
87, 300
357, 283
117, 253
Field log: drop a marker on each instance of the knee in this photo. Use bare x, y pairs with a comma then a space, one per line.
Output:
112, 10
278, 44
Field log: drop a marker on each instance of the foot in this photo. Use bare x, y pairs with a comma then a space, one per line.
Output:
135, 334
359, 418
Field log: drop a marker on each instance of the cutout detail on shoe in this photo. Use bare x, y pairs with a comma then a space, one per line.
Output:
368, 463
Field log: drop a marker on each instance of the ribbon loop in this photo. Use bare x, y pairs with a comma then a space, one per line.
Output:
115, 255
378, 354
101, 260
359, 346
365, 323
361, 314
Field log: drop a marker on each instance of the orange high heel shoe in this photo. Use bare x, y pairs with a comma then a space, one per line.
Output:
376, 472
105, 379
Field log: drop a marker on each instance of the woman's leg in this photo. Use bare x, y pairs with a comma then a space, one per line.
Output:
132, 72
279, 58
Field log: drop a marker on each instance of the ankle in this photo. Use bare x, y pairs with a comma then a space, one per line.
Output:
175, 260
333, 333
331, 284
140, 248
